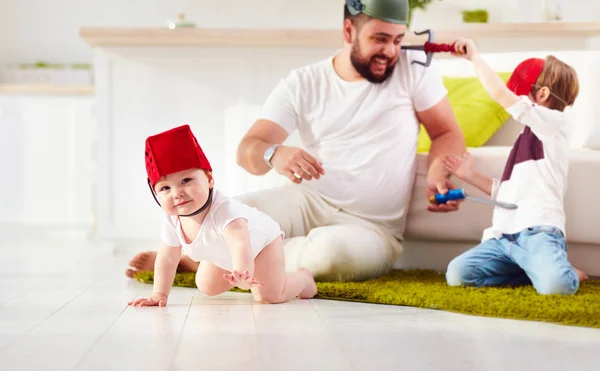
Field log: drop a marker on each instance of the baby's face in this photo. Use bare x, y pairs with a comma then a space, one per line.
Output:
183, 192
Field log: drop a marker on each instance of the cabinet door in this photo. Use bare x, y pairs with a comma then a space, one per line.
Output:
46, 144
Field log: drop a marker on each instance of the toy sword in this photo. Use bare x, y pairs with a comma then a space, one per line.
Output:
459, 194
429, 47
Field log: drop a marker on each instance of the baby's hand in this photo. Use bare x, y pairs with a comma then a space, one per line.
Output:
155, 299
243, 280
461, 167
465, 48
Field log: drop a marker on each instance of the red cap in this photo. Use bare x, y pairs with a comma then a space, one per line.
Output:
172, 151
525, 75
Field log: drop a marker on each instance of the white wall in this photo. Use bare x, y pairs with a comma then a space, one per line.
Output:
43, 139
48, 29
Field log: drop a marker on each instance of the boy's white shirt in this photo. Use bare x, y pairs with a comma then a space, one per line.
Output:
365, 134
538, 187
210, 244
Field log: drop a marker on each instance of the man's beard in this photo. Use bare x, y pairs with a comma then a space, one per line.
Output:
364, 67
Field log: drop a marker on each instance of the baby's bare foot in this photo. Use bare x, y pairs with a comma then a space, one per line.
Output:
581, 274
311, 290
141, 262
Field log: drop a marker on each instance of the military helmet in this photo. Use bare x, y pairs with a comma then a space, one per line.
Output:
393, 11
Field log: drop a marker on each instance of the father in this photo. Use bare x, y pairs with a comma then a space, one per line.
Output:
358, 115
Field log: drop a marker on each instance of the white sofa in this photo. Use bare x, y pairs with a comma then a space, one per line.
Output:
432, 239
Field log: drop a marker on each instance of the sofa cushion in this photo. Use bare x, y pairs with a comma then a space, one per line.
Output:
468, 223
506, 135
478, 116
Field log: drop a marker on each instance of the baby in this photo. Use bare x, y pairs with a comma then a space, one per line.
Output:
236, 245
524, 245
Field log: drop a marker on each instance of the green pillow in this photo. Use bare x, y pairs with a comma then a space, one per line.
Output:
478, 116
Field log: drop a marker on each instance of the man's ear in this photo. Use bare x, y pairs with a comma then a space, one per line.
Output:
348, 31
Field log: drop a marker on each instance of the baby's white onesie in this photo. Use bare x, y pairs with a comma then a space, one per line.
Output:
210, 244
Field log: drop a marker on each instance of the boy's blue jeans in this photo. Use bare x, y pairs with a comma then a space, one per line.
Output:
535, 255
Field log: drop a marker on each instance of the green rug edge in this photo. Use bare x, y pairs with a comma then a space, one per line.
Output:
428, 289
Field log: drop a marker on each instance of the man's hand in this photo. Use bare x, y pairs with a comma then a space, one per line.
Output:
442, 187
296, 164
438, 182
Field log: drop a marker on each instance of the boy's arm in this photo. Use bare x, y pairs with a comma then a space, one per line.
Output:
495, 188
522, 108
464, 169
492, 83
165, 268
238, 241
482, 182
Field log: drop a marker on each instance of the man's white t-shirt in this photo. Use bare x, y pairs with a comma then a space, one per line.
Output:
210, 244
535, 175
365, 134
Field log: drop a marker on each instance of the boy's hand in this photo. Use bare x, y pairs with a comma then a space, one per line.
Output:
461, 167
465, 48
242, 279
154, 300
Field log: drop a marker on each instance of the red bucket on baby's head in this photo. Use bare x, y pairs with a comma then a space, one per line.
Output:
525, 75
172, 151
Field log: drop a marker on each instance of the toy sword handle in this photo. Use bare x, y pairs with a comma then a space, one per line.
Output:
459, 194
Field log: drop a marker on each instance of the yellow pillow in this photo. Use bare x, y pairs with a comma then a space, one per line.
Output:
478, 116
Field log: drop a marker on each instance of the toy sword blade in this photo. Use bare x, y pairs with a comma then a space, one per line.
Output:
504, 205
459, 194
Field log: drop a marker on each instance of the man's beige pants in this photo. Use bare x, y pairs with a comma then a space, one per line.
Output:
333, 244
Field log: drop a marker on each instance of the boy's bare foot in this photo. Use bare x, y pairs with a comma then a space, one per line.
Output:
310, 291
144, 261
581, 274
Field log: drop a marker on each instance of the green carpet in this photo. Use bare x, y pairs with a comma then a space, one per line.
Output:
428, 289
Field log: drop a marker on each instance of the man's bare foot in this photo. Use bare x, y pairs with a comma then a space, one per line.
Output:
581, 274
144, 261
141, 262
311, 290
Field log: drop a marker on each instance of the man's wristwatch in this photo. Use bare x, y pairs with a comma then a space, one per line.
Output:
269, 154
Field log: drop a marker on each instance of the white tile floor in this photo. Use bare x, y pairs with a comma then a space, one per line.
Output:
63, 307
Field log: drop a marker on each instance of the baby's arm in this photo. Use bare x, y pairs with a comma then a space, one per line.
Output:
238, 241
165, 268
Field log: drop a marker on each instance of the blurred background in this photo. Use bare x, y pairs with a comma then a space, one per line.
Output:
74, 113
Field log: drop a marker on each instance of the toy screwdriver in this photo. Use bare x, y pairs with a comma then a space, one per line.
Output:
459, 194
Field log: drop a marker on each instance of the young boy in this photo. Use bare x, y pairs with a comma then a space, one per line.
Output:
236, 245
525, 245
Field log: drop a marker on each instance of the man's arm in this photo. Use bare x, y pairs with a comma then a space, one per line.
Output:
287, 161
251, 150
446, 139
442, 128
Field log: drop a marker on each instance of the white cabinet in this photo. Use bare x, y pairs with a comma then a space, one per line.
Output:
46, 162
